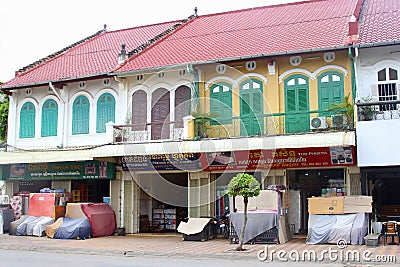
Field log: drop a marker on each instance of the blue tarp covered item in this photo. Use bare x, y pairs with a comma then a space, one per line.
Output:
73, 228
21, 229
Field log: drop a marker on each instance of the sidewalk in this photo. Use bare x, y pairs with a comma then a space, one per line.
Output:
172, 245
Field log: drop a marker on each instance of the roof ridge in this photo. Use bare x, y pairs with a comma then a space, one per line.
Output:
262, 7
51, 56
143, 26
268, 26
159, 36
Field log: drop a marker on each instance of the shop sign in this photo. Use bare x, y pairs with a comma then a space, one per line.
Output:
60, 171
280, 158
176, 161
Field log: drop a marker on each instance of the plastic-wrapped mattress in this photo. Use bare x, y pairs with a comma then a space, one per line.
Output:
32, 224
40, 228
21, 229
15, 224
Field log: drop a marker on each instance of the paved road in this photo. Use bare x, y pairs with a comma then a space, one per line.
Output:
44, 259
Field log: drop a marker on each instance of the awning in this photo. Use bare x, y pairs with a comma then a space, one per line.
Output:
232, 144
170, 147
45, 156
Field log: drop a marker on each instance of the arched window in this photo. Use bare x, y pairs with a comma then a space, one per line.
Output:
49, 118
160, 110
105, 111
27, 121
182, 105
252, 107
80, 115
330, 91
221, 103
139, 110
297, 105
387, 87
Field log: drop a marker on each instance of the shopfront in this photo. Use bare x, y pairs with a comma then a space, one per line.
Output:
86, 181
195, 184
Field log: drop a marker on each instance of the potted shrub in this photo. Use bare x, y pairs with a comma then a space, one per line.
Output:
202, 121
366, 113
346, 108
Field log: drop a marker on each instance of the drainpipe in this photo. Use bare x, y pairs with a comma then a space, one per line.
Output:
353, 54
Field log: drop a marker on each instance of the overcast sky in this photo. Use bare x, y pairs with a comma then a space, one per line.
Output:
33, 29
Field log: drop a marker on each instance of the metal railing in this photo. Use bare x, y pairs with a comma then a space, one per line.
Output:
147, 132
378, 110
259, 125
274, 124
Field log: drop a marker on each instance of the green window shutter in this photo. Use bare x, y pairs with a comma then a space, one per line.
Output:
221, 103
251, 107
297, 118
80, 115
330, 91
105, 112
27, 121
49, 118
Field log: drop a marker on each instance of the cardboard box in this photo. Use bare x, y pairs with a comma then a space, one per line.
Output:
340, 205
266, 200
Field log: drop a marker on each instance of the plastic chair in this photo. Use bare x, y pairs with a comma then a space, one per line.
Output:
391, 229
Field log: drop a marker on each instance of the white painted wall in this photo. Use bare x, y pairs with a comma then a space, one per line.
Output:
369, 62
378, 143
64, 98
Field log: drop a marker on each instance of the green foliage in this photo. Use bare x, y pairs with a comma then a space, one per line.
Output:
346, 107
244, 185
4, 104
202, 121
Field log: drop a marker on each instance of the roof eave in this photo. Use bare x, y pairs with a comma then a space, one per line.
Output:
55, 81
378, 44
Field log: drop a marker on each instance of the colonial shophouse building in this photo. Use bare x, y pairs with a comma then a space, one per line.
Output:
190, 103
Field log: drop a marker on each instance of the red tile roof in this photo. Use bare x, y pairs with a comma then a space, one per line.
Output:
266, 30
381, 21
94, 56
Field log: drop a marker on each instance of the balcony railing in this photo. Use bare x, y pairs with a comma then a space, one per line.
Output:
274, 124
148, 132
259, 125
379, 110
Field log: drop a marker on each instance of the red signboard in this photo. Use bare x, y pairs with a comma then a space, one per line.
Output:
313, 157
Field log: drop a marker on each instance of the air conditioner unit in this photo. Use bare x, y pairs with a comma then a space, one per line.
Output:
339, 121
318, 123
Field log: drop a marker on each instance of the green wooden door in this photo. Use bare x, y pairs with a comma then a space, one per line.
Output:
27, 121
49, 118
105, 111
330, 91
251, 107
297, 104
80, 115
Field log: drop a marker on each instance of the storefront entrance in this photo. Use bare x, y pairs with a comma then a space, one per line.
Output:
304, 184
163, 201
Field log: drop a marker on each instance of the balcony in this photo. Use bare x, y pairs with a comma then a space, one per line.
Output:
144, 133
382, 110
378, 125
238, 126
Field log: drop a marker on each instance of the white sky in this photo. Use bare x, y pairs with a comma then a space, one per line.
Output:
33, 29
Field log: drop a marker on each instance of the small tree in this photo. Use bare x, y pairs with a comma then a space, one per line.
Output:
244, 185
